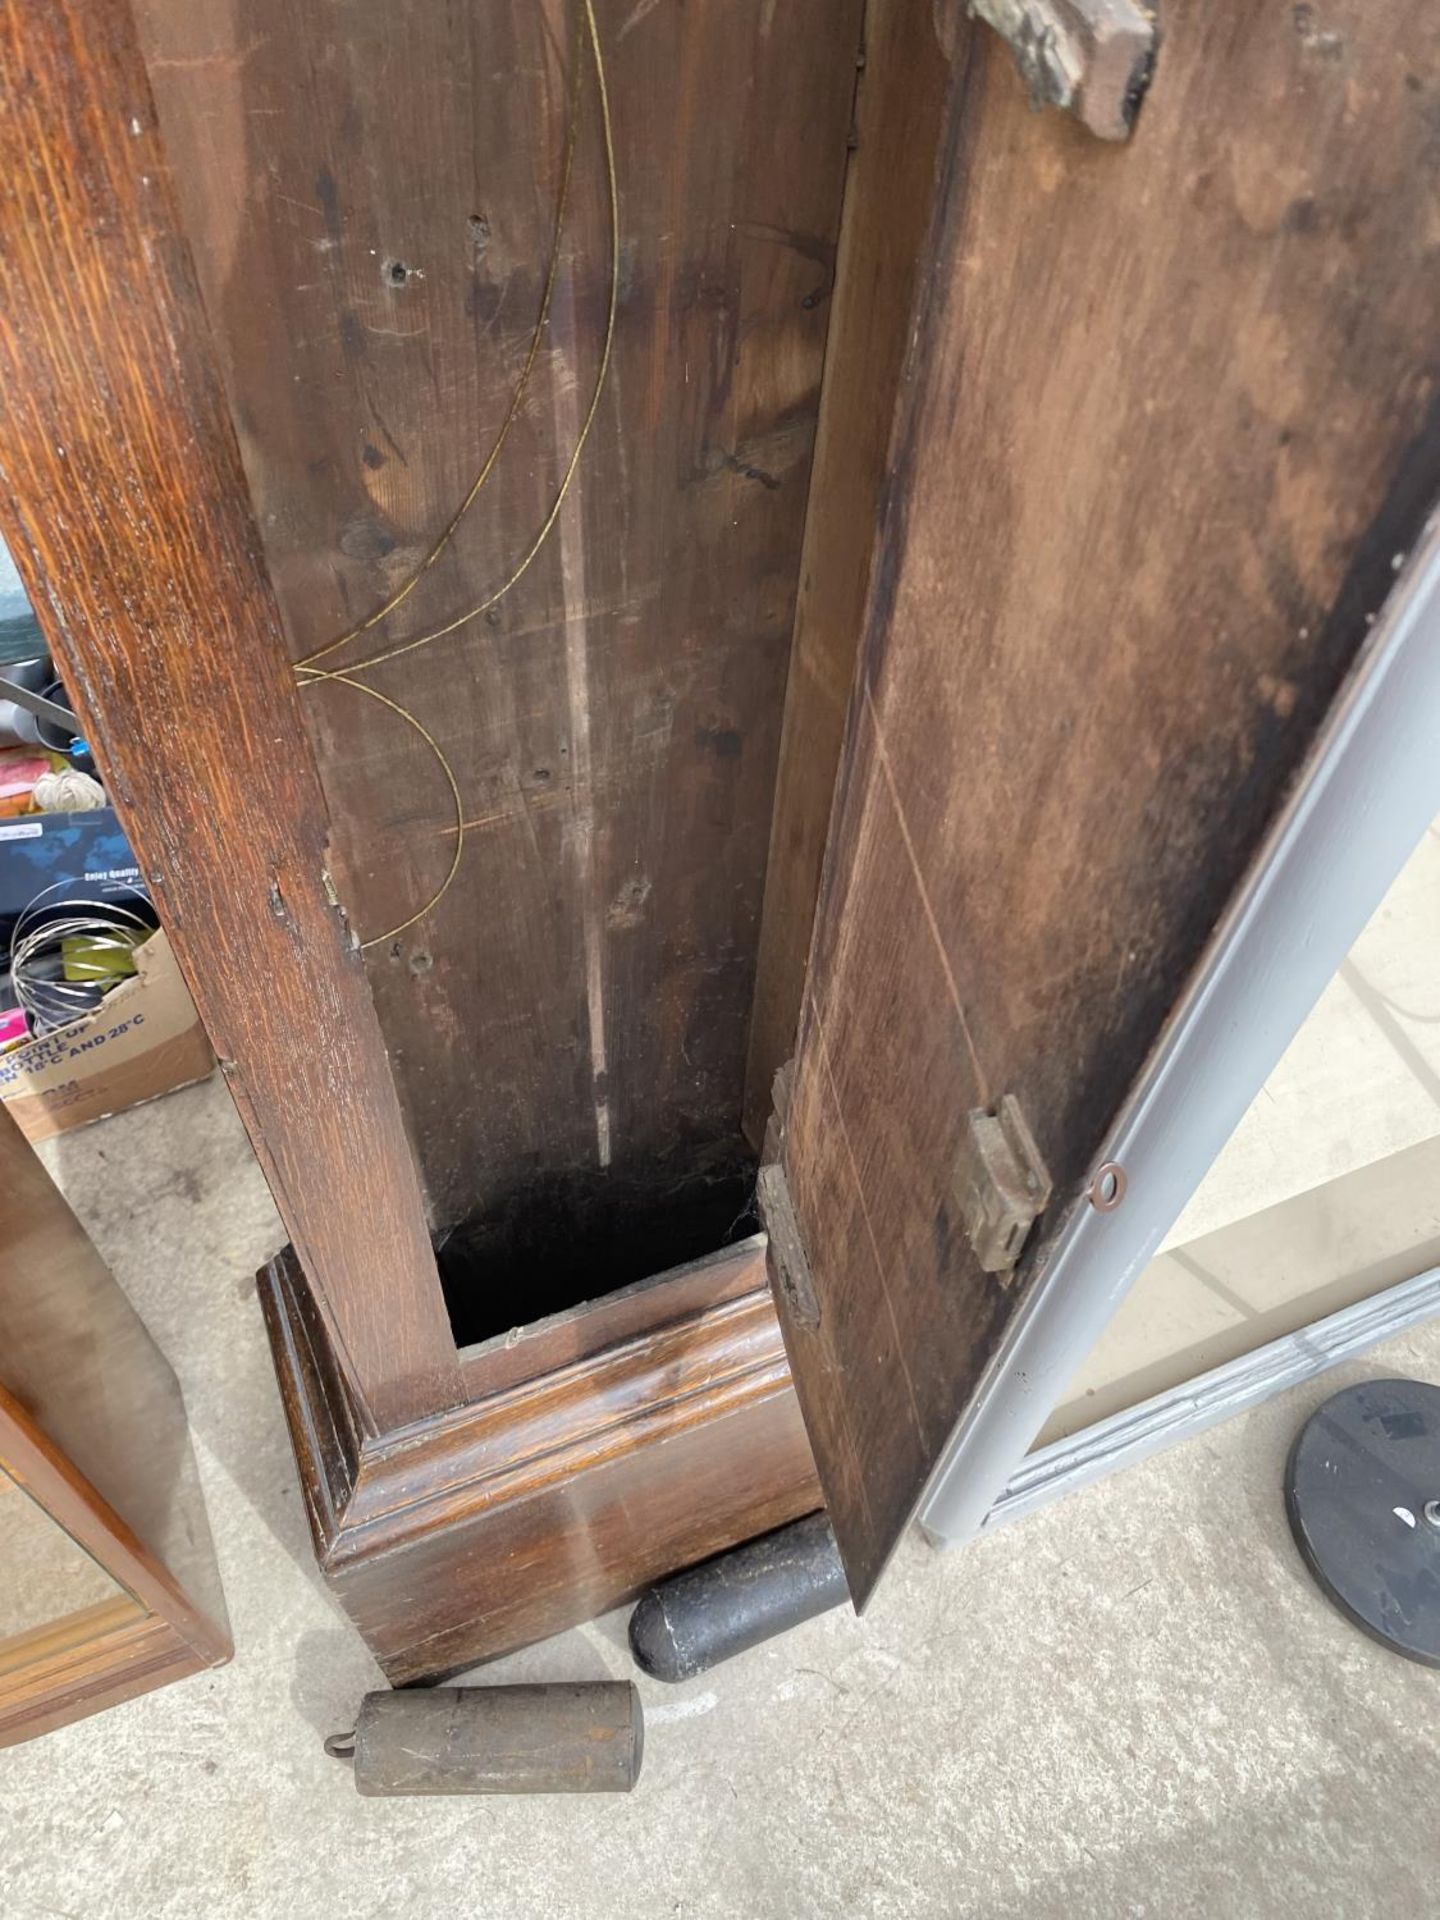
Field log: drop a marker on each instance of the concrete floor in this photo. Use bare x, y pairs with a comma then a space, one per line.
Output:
1133, 1704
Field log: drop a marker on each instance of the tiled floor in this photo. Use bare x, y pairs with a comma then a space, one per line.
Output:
1133, 1703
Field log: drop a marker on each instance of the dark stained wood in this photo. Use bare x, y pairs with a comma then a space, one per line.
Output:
93, 1428
1170, 425
885, 249
526, 1352
582, 992
556, 1496
124, 503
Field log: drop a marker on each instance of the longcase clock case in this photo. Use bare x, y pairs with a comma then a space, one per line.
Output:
656, 545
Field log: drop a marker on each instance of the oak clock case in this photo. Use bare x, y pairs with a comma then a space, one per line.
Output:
693, 539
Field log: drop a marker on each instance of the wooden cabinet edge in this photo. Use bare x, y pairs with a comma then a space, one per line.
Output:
35, 1464
133, 1659
169, 1636
465, 1486
889, 241
125, 506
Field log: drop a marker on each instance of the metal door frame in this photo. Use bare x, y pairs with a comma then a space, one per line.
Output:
1369, 790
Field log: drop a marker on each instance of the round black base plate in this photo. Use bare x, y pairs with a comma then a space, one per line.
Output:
1362, 1489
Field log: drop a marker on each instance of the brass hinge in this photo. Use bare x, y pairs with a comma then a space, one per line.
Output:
1093, 58
1001, 1185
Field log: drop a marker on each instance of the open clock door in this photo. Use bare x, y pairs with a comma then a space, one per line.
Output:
1161, 434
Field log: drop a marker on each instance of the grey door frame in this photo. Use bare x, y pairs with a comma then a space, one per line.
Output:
1369, 790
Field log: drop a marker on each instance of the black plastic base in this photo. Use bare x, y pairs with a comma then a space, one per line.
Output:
1362, 1489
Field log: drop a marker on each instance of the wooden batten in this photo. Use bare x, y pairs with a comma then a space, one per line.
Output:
154, 1630
76, 1676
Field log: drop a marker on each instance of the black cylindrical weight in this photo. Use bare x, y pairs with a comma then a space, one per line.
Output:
732, 1603
585, 1738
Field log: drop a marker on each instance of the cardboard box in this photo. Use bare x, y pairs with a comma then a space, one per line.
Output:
61, 856
143, 1040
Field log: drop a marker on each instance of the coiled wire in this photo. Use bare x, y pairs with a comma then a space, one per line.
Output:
37, 959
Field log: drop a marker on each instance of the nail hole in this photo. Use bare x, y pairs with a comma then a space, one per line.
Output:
396, 272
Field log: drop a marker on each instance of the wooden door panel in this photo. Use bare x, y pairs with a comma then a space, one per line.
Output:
1165, 430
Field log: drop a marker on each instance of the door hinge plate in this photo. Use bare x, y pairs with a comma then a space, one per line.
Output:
1001, 1185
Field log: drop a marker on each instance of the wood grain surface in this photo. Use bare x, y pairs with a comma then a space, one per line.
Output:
885, 248
74, 1676
1170, 426
372, 209
543, 1346
124, 503
556, 1496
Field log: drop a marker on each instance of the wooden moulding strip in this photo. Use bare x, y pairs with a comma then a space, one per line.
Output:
528, 1439
554, 1497
721, 1350
85, 1676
